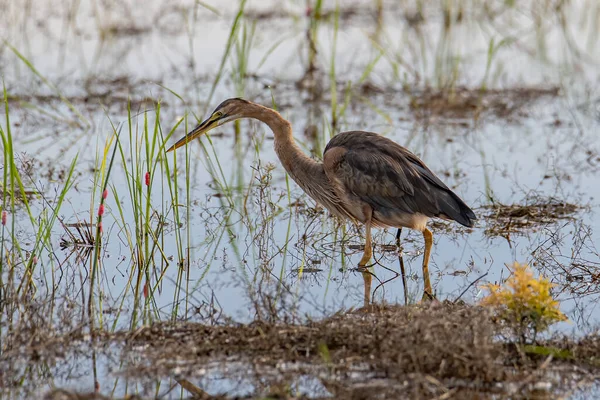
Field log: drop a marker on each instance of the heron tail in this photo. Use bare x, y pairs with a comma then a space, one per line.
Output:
452, 207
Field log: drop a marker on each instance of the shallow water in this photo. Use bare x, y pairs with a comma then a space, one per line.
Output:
247, 234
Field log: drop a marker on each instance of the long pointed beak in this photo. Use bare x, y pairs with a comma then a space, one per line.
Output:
198, 131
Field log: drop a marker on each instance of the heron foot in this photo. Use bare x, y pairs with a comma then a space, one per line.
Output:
364, 268
427, 297
365, 260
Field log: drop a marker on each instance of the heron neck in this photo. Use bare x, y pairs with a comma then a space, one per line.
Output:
299, 166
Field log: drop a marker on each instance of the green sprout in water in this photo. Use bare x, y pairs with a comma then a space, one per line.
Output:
524, 303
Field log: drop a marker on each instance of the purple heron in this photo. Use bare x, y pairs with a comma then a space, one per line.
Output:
364, 177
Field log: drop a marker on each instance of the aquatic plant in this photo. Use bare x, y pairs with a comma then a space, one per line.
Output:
524, 303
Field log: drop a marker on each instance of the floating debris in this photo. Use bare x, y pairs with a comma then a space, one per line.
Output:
504, 220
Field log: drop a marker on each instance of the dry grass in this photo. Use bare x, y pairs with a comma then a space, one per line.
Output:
428, 351
470, 103
390, 335
386, 351
504, 220
61, 394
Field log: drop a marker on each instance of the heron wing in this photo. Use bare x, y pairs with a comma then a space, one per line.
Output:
390, 178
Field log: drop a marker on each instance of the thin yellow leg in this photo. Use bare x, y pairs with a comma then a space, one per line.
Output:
366, 258
428, 236
368, 246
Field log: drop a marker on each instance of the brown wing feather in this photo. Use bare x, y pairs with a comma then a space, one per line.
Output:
390, 178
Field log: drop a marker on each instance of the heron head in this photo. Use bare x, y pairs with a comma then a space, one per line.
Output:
227, 111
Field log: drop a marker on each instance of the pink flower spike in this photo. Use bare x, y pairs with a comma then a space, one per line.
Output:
101, 210
147, 178
105, 194
4, 217
34, 260
100, 227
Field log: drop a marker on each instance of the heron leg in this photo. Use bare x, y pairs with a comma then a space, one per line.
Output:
364, 261
428, 236
401, 261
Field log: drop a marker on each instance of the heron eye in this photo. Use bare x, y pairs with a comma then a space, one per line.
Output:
218, 114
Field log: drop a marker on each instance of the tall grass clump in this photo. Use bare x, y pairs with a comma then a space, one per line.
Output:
19, 262
143, 216
12, 185
141, 208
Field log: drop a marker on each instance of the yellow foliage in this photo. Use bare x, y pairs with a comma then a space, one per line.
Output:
525, 301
